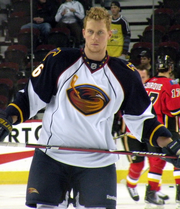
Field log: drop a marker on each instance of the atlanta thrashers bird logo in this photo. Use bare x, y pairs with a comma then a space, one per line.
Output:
86, 98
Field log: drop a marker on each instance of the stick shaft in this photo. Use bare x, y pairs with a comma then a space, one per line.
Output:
120, 136
137, 153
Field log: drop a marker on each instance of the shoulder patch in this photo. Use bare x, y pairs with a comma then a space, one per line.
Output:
54, 52
176, 81
131, 66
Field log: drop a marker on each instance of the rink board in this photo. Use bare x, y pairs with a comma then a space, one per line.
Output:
15, 161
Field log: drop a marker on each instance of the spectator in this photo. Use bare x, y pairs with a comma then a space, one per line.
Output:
145, 61
43, 17
87, 4
70, 14
118, 45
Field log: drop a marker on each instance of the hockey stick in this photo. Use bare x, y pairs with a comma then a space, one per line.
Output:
135, 153
120, 136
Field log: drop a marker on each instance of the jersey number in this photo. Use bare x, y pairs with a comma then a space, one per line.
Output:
153, 97
175, 93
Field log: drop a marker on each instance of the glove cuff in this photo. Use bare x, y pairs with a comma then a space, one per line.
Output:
173, 148
7, 123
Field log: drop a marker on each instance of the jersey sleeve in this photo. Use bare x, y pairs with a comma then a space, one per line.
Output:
41, 86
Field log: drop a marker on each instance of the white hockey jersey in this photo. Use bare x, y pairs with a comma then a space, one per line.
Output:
80, 97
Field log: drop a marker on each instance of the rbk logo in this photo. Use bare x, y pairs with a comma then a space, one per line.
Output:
32, 190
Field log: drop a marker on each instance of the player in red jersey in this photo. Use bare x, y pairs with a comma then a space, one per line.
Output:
164, 94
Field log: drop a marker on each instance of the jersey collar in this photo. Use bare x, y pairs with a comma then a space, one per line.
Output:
94, 65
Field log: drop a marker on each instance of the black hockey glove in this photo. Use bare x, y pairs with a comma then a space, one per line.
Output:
5, 125
173, 148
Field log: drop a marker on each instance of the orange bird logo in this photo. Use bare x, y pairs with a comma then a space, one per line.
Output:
88, 99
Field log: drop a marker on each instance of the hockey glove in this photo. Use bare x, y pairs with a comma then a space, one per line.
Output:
5, 125
173, 148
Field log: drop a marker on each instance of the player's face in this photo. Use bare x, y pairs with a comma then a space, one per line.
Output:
144, 75
96, 37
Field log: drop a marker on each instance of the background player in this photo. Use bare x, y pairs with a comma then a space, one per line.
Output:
167, 105
144, 73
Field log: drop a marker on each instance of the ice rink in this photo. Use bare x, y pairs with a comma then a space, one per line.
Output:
13, 197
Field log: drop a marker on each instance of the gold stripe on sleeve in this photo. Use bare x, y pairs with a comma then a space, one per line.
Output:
20, 112
152, 134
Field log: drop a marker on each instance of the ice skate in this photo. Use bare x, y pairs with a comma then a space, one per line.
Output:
162, 195
152, 206
133, 193
152, 200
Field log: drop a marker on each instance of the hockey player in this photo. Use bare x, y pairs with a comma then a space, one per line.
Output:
82, 90
164, 95
144, 73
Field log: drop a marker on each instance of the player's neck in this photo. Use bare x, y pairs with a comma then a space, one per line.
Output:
165, 74
94, 56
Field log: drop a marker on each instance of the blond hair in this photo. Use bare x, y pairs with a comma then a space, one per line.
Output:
98, 13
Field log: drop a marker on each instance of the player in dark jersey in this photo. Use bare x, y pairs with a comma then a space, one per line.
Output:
164, 95
81, 90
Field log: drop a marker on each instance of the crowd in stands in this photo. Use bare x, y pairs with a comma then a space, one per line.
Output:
160, 37
53, 23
